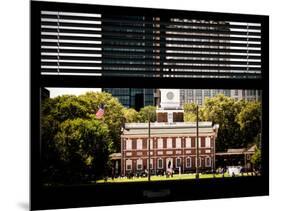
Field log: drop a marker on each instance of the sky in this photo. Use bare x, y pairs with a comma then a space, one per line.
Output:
54, 92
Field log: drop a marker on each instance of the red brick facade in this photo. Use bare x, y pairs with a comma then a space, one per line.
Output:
177, 149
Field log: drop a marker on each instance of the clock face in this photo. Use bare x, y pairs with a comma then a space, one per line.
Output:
170, 95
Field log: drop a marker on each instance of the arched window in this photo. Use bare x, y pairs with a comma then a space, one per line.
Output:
128, 165
188, 162
139, 164
160, 163
178, 162
208, 162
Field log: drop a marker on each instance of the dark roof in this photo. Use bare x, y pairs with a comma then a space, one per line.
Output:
238, 151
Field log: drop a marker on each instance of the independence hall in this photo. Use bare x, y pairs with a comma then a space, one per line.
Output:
173, 142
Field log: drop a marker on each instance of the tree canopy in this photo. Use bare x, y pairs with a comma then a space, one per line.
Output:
239, 121
73, 138
256, 158
249, 120
147, 112
83, 146
189, 112
130, 115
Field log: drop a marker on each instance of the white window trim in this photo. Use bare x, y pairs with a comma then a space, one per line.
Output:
151, 143
170, 117
188, 143
190, 162
209, 165
158, 163
202, 142
178, 143
199, 142
177, 166
127, 164
172, 162
140, 164
208, 142
127, 144
139, 144
151, 161
207, 151
158, 141
169, 140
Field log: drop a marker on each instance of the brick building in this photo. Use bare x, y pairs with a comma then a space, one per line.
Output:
172, 141
171, 144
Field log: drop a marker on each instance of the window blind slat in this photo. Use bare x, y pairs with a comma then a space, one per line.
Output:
148, 46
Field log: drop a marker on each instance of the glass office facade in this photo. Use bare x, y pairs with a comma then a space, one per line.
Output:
133, 97
199, 96
129, 53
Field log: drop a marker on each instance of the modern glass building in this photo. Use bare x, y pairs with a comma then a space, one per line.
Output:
198, 96
133, 97
137, 47
120, 49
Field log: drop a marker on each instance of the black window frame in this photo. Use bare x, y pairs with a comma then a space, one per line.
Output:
100, 195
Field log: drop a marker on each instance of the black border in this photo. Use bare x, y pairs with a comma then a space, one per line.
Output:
133, 193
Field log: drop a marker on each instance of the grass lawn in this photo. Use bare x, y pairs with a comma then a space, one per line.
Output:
163, 178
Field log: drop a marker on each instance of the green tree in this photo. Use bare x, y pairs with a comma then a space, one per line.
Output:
58, 114
130, 115
190, 112
146, 112
256, 158
113, 115
83, 146
65, 107
249, 120
223, 110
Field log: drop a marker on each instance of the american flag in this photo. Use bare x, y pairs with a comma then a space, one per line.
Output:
100, 112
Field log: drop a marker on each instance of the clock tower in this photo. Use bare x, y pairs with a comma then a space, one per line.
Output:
170, 110
170, 98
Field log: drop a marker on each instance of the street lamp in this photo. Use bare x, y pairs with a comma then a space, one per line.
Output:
197, 144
